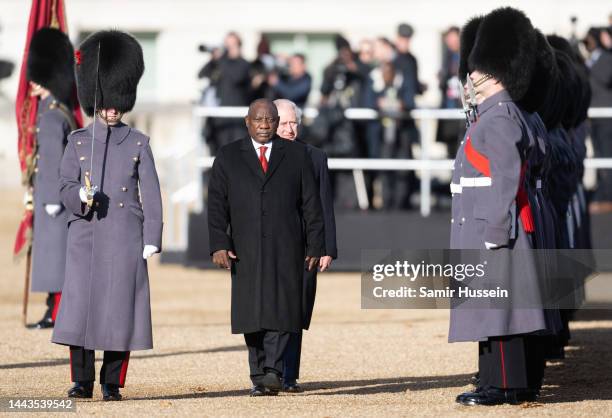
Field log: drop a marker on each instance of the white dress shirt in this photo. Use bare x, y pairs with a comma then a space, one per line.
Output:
268, 146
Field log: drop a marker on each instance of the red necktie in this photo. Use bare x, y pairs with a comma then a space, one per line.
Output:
262, 159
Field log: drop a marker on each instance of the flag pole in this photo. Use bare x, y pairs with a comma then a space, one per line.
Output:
26, 290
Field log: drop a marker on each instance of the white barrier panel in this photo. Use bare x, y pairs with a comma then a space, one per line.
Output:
368, 114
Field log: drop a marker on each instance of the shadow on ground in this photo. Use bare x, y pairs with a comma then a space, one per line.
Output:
64, 361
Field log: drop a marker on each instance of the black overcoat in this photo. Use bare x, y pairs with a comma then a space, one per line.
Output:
260, 217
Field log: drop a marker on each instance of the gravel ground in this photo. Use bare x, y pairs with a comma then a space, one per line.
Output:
355, 362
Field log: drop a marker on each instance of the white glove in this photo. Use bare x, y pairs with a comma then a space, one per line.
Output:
149, 250
491, 246
53, 210
83, 194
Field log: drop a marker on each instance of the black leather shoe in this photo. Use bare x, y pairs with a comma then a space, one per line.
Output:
460, 397
271, 381
292, 387
83, 390
494, 396
262, 391
110, 392
257, 391
42, 324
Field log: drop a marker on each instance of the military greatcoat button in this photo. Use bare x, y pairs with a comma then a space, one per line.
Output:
87, 173
36, 170
462, 219
82, 159
135, 158
452, 220
120, 204
139, 143
79, 142
124, 189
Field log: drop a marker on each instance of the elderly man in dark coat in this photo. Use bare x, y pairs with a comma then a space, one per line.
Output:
265, 218
290, 119
491, 208
51, 74
110, 187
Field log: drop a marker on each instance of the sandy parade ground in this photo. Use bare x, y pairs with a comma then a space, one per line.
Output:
355, 362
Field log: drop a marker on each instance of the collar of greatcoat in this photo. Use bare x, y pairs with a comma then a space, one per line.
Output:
250, 157
116, 133
496, 100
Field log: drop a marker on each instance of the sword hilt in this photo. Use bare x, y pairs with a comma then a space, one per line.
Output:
90, 190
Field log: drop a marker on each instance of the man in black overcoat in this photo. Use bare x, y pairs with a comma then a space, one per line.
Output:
265, 219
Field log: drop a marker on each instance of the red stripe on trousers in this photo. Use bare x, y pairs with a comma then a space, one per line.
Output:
57, 297
124, 367
503, 364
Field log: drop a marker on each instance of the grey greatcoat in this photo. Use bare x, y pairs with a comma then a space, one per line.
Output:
271, 221
49, 244
487, 213
105, 304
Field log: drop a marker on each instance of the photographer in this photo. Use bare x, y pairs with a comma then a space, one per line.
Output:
342, 88
229, 74
295, 86
261, 68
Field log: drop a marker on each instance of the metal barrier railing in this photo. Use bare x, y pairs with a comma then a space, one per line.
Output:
193, 159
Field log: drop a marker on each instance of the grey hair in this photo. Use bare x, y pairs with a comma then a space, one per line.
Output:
296, 109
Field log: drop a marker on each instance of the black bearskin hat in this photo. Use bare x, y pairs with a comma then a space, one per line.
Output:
505, 47
544, 76
582, 97
51, 63
117, 59
468, 37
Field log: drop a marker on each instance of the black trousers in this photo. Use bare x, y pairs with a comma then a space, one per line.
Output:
511, 362
291, 359
113, 371
266, 350
53, 301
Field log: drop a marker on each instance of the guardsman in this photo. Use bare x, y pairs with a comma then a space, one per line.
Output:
51, 74
491, 209
110, 187
288, 128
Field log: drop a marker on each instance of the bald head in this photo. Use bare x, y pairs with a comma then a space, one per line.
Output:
290, 117
262, 120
